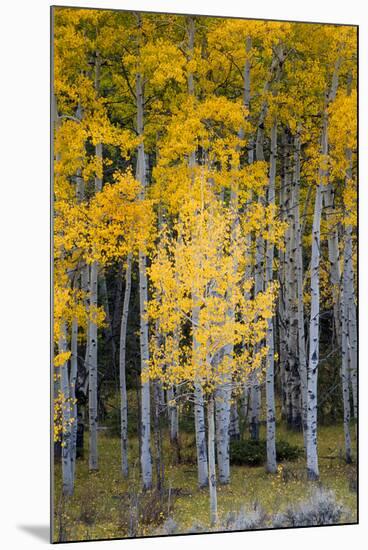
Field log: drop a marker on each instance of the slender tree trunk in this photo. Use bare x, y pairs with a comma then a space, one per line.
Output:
234, 430
67, 450
312, 373
247, 400
200, 427
199, 414
73, 400
85, 284
333, 256
157, 437
222, 410
345, 356
146, 462
255, 392
212, 461
92, 345
299, 279
291, 313
109, 332
312, 453
352, 317
223, 392
270, 342
122, 368
173, 421
92, 370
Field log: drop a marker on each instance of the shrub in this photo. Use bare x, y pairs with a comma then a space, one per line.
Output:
188, 452
286, 451
320, 509
248, 452
169, 527
196, 528
142, 509
254, 453
245, 519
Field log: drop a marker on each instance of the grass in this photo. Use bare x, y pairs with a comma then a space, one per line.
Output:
100, 504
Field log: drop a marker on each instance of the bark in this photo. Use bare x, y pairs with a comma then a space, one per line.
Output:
92, 371
200, 427
223, 392
109, 332
234, 430
345, 356
282, 321
157, 437
146, 464
212, 461
299, 277
199, 414
270, 376
351, 305
312, 453
173, 421
333, 238
67, 468
333, 256
246, 401
352, 317
249, 269
122, 368
312, 374
73, 400
222, 408
291, 307
255, 391
92, 346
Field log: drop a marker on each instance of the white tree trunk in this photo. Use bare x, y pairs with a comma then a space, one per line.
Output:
255, 392
92, 345
282, 337
92, 372
146, 461
312, 374
199, 417
223, 392
352, 318
350, 300
270, 377
291, 307
173, 416
333, 256
300, 298
199, 414
212, 461
222, 408
73, 400
67, 468
122, 368
345, 355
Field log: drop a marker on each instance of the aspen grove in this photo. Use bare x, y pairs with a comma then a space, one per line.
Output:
205, 265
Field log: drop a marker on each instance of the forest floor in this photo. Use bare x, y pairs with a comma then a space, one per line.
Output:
102, 504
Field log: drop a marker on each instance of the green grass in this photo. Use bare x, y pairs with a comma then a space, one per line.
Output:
98, 508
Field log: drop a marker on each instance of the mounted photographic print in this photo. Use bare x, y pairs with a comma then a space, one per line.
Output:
204, 274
